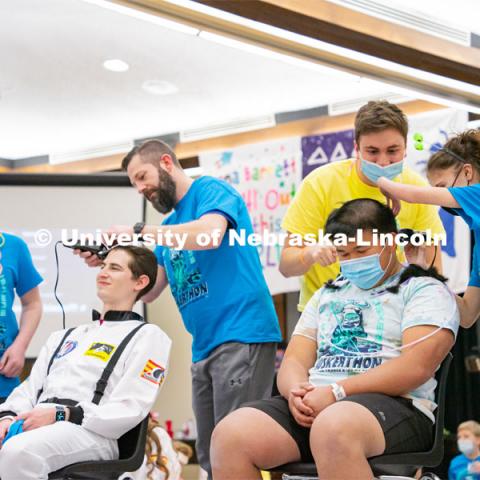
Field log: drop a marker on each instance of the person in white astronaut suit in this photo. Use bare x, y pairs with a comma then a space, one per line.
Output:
66, 418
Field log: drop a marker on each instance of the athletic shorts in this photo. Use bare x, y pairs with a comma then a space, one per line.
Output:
406, 428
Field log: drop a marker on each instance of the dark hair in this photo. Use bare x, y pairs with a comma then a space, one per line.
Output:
150, 151
377, 116
361, 213
142, 261
461, 149
369, 214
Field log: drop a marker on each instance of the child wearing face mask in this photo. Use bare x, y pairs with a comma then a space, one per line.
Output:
466, 466
454, 173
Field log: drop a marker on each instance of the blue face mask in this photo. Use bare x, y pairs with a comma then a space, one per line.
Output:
364, 272
373, 171
466, 446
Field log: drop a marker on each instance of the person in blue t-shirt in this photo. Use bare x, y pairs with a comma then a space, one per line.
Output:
454, 173
218, 284
17, 274
466, 466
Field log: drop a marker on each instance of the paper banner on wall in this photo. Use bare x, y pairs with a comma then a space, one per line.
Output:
318, 150
267, 175
436, 128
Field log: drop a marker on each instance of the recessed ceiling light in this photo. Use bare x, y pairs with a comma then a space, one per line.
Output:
116, 65
159, 87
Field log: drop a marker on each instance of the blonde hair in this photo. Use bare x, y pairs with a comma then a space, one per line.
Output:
472, 426
153, 451
154, 460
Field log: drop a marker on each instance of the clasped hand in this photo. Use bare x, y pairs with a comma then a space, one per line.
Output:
306, 402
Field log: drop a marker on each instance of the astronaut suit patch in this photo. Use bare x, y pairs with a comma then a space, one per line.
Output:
153, 372
103, 351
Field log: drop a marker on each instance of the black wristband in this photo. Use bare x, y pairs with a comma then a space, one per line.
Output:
76, 415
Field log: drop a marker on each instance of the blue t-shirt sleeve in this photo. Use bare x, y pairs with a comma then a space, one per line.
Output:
159, 254
467, 198
27, 275
458, 468
475, 273
217, 197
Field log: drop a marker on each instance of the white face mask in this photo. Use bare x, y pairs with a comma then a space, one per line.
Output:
466, 446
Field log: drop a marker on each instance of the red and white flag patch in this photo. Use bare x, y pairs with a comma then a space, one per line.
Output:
153, 372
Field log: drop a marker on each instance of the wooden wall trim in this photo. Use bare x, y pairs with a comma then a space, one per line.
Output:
185, 151
382, 29
91, 165
312, 126
348, 28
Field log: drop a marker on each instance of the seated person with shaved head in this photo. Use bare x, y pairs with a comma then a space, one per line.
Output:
357, 379
69, 414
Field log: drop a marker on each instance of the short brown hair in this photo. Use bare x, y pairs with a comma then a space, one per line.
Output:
470, 425
142, 262
377, 116
466, 145
150, 151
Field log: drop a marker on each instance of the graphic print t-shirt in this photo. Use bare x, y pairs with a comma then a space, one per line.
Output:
357, 330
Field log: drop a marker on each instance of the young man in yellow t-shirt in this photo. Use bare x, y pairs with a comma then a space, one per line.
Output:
381, 130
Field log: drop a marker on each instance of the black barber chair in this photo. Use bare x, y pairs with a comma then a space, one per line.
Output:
131, 448
401, 464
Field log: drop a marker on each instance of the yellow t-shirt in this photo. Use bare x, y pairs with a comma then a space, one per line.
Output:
328, 188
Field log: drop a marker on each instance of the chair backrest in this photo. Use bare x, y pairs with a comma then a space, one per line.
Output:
440, 412
434, 456
132, 444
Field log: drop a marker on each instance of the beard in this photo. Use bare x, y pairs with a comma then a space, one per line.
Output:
165, 196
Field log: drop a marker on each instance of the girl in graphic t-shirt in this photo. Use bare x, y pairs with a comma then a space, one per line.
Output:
454, 173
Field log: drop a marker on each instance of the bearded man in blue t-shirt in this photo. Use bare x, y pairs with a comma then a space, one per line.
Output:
218, 285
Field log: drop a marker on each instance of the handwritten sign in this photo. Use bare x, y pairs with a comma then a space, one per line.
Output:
267, 175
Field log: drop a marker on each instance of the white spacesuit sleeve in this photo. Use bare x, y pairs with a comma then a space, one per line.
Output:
131, 399
24, 397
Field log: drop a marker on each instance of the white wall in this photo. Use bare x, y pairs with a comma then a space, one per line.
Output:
175, 399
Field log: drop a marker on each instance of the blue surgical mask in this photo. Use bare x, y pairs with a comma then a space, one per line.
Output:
364, 272
466, 446
373, 171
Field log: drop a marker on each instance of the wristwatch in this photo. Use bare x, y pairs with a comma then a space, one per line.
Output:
338, 391
60, 414
138, 227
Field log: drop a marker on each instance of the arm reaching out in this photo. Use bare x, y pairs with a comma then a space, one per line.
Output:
414, 194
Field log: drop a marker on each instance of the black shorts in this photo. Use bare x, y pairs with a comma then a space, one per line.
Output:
406, 428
